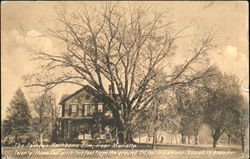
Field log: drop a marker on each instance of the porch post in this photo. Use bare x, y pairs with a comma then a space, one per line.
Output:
69, 122
61, 128
77, 129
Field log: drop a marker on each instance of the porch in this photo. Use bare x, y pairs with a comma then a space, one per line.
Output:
80, 129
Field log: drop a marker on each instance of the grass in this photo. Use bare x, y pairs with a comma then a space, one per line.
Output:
141, 151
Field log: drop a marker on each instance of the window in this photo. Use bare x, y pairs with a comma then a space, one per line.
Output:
92, 109
70, 110
100, 108
81, 111
74, 108
89, 109
86, 111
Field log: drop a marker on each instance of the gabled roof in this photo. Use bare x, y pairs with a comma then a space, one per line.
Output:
86, 88
65, 97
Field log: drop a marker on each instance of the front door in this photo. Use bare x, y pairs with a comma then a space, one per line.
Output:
74, 132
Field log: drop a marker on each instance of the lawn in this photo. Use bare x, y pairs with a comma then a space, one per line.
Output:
141, 151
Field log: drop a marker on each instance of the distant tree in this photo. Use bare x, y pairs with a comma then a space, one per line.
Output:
222, 100
19, 115
54, 111
44, 122
150, 122
6, 128
231, 131
190, 108
157, 118
242, 121
41, 120
6, 131
154, 120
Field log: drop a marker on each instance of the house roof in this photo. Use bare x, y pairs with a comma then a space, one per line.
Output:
87, 88
65, 97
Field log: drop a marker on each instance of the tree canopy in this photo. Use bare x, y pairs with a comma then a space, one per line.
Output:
222, 101
126, 48
19, 114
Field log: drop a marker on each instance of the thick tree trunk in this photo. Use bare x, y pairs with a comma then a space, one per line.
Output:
216, 135
121, 137
183, 141
125, 135
242, 142
196, 132
196, 142
120, 130
215, 139
189, 140
129, 138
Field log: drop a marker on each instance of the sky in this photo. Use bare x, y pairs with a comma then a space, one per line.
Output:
21, 28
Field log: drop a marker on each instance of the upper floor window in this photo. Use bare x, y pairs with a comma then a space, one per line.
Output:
74, 108
83, 109
69, 110
99, 107
86, 109
89, 109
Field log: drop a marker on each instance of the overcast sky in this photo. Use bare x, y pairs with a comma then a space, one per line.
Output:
20, 28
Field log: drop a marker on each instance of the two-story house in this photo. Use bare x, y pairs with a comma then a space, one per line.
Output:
85, 117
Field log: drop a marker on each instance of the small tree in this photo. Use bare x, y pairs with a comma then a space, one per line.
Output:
222, 100
19, 115
189, 105
158, 117
41, 121
155, 122
6, 128
150, 121
46, 115
54, 111
241, 123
